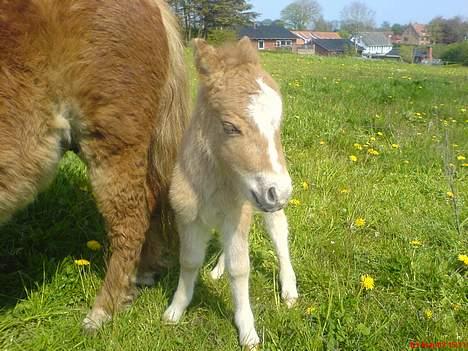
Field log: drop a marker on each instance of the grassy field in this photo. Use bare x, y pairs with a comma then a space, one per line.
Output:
377, 154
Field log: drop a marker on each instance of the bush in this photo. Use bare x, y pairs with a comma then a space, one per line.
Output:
220, 36
456, 53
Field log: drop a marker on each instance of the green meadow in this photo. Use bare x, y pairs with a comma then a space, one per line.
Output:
378, 153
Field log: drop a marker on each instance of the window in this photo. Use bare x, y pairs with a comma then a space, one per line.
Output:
283, 43
261, 44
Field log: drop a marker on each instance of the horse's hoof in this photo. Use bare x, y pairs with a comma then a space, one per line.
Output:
94, 320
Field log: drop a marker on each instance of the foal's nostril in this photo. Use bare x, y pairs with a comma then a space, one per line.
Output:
272, 196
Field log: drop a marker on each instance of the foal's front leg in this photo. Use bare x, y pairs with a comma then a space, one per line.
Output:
194, 238
236, 251
277, 227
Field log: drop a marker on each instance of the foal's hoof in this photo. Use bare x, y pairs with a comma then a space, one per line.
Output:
290, 303
94, 320
252, 344
289, 295
172, 315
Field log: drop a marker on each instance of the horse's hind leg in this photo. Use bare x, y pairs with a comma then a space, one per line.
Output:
124, 199
30, 150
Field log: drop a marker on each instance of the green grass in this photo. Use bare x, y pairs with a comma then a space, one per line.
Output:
330, 104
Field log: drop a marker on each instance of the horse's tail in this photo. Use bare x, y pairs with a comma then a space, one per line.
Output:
173, 116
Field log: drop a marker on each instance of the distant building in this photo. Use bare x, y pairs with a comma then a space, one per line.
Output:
394, 38
306, 36
333, 47
270, 37
416, 34
373, 44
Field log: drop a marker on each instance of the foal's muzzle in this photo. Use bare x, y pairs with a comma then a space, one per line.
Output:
271, 198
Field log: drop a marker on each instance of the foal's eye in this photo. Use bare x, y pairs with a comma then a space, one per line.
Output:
231, 129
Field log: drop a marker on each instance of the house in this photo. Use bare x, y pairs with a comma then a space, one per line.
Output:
306, 36
373, 44
416, 34
394, 38
270, 37
332, 47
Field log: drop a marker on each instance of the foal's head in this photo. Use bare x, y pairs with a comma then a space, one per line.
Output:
243, 110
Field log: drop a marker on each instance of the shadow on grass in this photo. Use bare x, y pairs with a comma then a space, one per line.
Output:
38, 238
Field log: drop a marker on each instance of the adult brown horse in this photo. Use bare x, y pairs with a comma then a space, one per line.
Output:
106, 77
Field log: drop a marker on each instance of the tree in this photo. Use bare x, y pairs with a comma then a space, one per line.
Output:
385, 26
279, 23
398, 29
266, 22
301, 14
357, 17
323, 25
199, 17
448, 31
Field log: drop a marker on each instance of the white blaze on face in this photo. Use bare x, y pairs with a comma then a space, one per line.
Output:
266, 109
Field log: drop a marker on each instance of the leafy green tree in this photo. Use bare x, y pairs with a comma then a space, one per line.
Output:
199, 17
398, 29
385, 26
301, 14
447, 31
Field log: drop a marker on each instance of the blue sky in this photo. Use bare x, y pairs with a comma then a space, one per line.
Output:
394, 11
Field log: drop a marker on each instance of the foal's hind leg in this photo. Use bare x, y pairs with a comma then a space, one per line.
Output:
193, 241
125, 201
277, 227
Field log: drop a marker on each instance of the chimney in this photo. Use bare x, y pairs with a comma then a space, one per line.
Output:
429, 54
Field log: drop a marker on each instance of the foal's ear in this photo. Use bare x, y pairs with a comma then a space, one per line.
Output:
248, 51
207, 58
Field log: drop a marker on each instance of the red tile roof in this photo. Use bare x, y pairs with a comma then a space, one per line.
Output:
308, 34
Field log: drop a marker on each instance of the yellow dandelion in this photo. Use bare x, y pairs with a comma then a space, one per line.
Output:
373, 152
461, 158
367, 282
93, 245
311, 310
305, 185
463, 110
357, 146
322, 142
395, 146
416, 243
454, 146
353, 158
345, 191
450, 194
428, 314
295, 202
456, 306
406, 162
465, 165
464, 259
417, 114
360, 222
372, 139
379, 133
82, 262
